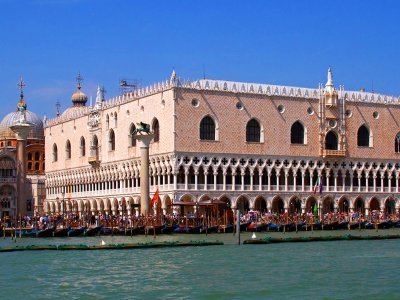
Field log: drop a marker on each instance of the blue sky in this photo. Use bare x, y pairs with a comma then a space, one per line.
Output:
276, 42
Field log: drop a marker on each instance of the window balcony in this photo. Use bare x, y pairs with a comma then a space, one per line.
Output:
94, 160
333, 153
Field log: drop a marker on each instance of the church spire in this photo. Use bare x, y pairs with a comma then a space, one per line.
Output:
21, 104
330, 81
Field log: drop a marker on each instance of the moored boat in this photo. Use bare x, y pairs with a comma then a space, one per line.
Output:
62, 232
77, 231
93, 231
257, 227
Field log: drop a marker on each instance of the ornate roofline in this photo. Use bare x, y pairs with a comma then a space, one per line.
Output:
229, 86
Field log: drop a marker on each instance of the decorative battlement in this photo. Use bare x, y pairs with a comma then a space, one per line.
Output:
227, 86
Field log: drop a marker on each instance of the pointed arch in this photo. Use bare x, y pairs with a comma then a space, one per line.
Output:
278, 206
55, 152
243, 204
298, 133
294, 205
374, 204
115, 120
207, 129
67, 149
397, 143
94, 147
107, 122
331, 141
132, 139
344, 205
156, 130
82, 147
111, 140
390, 206
253, 131
364, 136
260, 204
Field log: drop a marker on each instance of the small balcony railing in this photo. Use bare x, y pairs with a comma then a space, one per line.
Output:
333, 153
94, 160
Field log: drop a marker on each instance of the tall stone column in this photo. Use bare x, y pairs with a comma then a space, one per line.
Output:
144, 143
21, 131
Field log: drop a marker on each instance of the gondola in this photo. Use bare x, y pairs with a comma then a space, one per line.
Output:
24, 233
342, 225
209, 229
357, 225
273, 227
191, 230
330, 226
62, 232
93, 231
225, 228
158, 229
76, 232
107, 231
257, 227
48, 232
385, 225
168, 229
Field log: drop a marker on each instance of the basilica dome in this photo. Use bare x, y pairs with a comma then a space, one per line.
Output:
37, 131
79, 98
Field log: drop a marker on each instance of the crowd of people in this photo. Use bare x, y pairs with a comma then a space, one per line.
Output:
224, 218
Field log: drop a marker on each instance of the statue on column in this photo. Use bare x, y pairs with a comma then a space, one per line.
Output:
22, 111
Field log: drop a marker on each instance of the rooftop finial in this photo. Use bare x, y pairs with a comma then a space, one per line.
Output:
173, 75
103, 92
21, 85
330, 81
58, 106
79, 79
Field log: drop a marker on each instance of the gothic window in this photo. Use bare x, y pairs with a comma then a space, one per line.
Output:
397, 143
37, 155
297, 133
253, 131
107, 122
55, 152
37, 166
111, 140
132, 140
29, 156
115, 120
331, 141
94, 149
68, 150
363, 136
83, 146
29, 166
207, 129
156, 130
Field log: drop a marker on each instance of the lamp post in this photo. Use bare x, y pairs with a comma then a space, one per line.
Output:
63, 204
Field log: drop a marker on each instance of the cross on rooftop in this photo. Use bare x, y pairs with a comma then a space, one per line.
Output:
21, 84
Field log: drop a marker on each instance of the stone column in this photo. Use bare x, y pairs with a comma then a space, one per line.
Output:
21, 131
144, 143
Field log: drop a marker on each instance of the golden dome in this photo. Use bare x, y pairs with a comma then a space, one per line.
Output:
79, 98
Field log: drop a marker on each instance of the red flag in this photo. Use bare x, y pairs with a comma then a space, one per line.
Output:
155, 198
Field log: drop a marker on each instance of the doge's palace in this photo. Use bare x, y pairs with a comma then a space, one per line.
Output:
251, 145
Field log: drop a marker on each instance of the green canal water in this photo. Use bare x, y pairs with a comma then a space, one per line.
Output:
317, 270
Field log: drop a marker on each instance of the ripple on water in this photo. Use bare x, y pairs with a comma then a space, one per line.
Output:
320, 270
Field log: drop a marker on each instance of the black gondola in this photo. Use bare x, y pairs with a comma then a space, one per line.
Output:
63, 232
93, 231
76, 232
